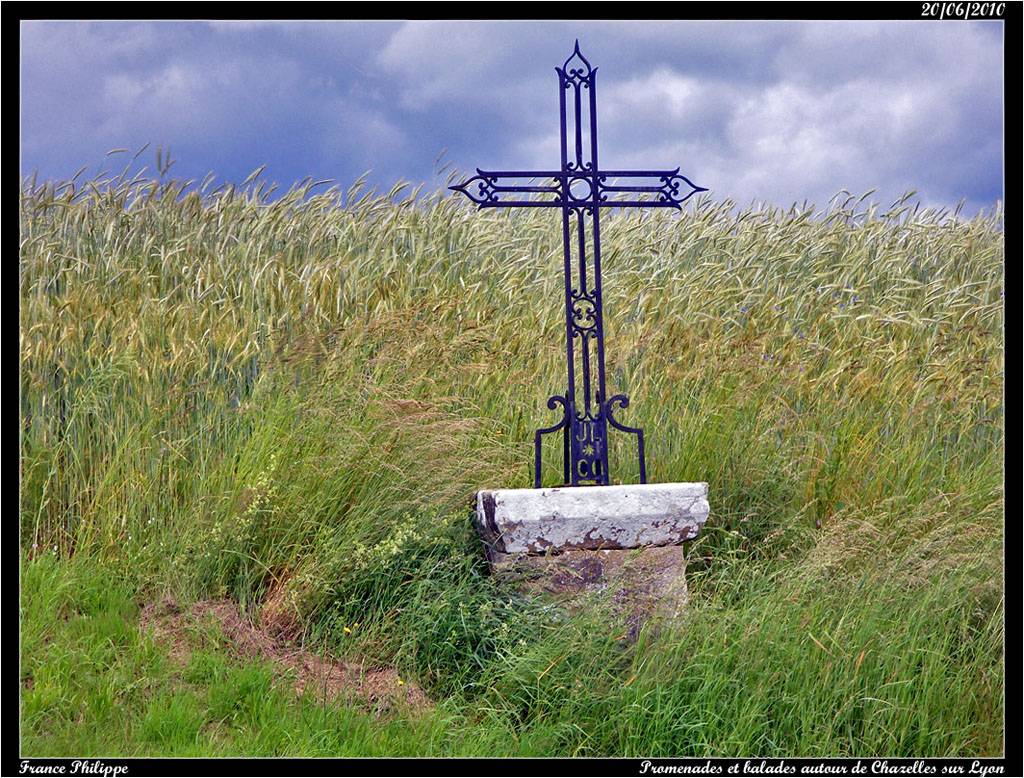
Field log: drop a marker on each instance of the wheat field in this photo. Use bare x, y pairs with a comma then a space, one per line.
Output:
290, 399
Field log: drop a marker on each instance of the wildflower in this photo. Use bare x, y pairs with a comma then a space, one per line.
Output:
346, 630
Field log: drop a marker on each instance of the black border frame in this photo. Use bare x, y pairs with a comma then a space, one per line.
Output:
12, 763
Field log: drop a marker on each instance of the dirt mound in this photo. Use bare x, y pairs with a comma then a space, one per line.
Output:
379, 689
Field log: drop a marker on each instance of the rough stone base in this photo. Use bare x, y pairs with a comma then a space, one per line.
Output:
640, 585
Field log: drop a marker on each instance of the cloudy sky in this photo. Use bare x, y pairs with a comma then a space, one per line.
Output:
772, 111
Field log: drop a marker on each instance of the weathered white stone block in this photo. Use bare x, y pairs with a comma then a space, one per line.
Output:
592, 517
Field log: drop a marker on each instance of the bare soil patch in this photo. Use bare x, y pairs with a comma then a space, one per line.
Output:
379, 689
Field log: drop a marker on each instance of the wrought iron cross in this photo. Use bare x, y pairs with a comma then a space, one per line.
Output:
581, 189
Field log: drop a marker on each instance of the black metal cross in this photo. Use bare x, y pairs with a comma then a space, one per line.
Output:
581, 189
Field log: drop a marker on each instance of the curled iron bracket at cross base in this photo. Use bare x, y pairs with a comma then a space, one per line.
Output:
609, 413
553, 402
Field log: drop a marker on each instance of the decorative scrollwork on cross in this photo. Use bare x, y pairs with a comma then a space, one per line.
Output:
671, 190
584, 312
581, 189
484, 190
672, 186
576, 70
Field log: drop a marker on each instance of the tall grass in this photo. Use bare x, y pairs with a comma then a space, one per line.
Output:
293, 401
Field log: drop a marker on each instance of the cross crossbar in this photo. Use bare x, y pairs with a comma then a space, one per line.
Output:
487, 189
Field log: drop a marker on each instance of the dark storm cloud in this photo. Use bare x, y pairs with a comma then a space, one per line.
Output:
757, 111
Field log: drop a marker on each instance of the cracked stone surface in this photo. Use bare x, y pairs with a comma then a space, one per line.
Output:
534, 521
637, 585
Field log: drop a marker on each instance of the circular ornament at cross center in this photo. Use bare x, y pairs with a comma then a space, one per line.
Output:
580, 189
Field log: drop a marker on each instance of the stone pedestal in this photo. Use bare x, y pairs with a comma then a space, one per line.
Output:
570, 544
637, 584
